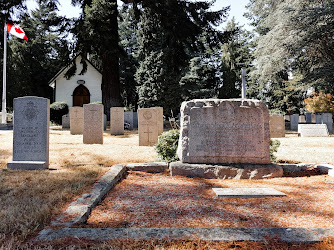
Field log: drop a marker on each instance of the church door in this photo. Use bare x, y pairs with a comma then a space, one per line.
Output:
81, 96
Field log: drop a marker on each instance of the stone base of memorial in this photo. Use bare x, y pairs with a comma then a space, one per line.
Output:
226, 171
27, 165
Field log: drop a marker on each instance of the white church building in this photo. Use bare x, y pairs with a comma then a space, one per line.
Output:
79, 89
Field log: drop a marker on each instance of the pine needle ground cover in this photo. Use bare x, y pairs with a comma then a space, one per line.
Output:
29, 200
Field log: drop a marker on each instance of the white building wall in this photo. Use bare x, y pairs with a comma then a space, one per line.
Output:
65, 88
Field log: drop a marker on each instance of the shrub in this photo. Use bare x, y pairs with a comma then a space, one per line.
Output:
274, 145
167, 145
57, 110
320, 103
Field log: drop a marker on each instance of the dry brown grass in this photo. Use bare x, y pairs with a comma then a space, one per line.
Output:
29, 200
306, 149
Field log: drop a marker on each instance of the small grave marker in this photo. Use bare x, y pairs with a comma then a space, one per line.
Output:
313, 130
246, 193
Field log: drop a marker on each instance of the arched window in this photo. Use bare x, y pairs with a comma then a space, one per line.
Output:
81, 96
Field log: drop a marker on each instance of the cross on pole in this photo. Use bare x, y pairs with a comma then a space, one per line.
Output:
243, 80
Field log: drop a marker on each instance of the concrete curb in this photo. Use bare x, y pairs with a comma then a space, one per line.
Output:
208, 234
80, 209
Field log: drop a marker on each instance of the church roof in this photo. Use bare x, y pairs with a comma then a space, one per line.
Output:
51, 82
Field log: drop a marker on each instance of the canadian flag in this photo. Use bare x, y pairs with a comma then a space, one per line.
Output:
16, 31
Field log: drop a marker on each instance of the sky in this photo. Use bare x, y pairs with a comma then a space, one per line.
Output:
237, 9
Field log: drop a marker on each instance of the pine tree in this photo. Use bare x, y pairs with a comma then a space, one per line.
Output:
169, 36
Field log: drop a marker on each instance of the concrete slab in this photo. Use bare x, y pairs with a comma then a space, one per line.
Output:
149, 167
246, 193
210, 234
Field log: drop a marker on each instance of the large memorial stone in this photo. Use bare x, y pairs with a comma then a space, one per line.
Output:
93, 124
117, 121
313, 130
76, 120
277, 126
65, 121
325, 118
294, 120
224, 131
148, 126
31, 133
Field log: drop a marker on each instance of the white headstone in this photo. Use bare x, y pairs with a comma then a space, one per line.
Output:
76, 120
313, 130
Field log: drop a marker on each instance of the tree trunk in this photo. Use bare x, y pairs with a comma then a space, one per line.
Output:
111, 93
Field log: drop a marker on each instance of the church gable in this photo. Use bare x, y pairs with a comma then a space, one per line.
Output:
79, 89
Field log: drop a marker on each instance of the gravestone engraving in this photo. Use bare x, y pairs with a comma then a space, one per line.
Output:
277, 126
224, 131
117, 121
31, 133
313, 130
148, 126
294, 120
65, 121
325, 118
93, 124
76, 120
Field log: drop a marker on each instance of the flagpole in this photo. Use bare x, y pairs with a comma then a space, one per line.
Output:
4, 115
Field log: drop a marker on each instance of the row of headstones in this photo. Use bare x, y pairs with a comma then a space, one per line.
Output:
321, 118
130, 120
32, 120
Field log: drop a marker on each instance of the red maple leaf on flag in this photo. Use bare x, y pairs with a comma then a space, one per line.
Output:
18, 30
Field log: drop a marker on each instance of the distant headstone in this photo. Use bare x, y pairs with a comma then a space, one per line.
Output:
131, 118
31, 133
105, 120
76, 120
93, 124
313, 130
224, 131
294, 120
308, 117
117, 121
160, 113
135, 120
287, 117
302, 119
325, 118
65, 121
148, 126
277, 126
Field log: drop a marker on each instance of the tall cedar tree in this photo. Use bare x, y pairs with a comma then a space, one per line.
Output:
294, 36
97, 32
168, 37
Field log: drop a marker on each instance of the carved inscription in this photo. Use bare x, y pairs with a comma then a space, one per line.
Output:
224, 139
30, 141
30, 111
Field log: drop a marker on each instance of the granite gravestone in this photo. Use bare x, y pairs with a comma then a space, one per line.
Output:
76, 120
65, 121
93, 124
277, 126
313, 130
148, 126
294, 120
224, 131
31, 133
131, 118
117, 121
325, 118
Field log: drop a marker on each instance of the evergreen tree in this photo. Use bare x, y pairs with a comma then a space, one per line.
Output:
236, 55
169, 36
